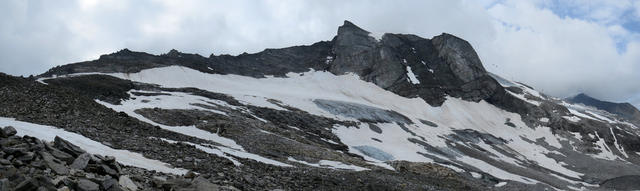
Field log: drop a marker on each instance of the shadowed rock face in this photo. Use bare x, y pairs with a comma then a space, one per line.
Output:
357, 52
460, 56
445, 65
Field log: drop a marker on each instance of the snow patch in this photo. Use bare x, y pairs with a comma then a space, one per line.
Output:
572, 118
223, 151
606, 152
618, 146
329, 164
129, 106
412, 77
476, 175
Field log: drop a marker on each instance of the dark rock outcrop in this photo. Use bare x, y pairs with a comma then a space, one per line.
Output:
444, 65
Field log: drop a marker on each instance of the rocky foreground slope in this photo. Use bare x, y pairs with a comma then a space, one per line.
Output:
355, 113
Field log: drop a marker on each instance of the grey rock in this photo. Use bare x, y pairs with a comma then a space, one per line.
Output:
26, 185
473, 136
87, 185
429, 123
126, 183
357, 52
109, 170
4, 184
67, 147
375, 128
202, 184
26, 157
81, 162
59, 179
109, 183
109, 159
61, 155
5, 162
116, 167
35, 183
462, 58
8, 131
57, 166
8, 171
16, 149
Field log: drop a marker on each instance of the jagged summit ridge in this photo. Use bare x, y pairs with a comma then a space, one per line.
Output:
444, 66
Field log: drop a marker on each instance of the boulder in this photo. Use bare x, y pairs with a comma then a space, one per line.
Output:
87, 185
202, 184
81, 162
26, 185
8, 131
60, 155
35, 183
67, 147
107, 184
56, 165
109, 170
128, 184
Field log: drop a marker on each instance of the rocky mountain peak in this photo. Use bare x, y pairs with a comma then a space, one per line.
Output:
353, 39
173, 53
125, 54
348, 26
413, 66
463, 59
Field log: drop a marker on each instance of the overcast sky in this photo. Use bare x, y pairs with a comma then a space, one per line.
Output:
561, 47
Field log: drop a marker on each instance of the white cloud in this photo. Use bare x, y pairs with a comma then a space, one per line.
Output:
561, 55
526, 41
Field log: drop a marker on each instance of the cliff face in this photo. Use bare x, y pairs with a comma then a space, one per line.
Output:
444, 65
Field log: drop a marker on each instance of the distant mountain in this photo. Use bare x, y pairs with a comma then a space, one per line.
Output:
625, 110
401, 112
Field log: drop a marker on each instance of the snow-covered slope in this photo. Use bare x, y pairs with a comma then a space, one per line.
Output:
470, 137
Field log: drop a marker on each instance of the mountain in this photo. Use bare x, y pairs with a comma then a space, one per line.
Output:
401, 112
625, 110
